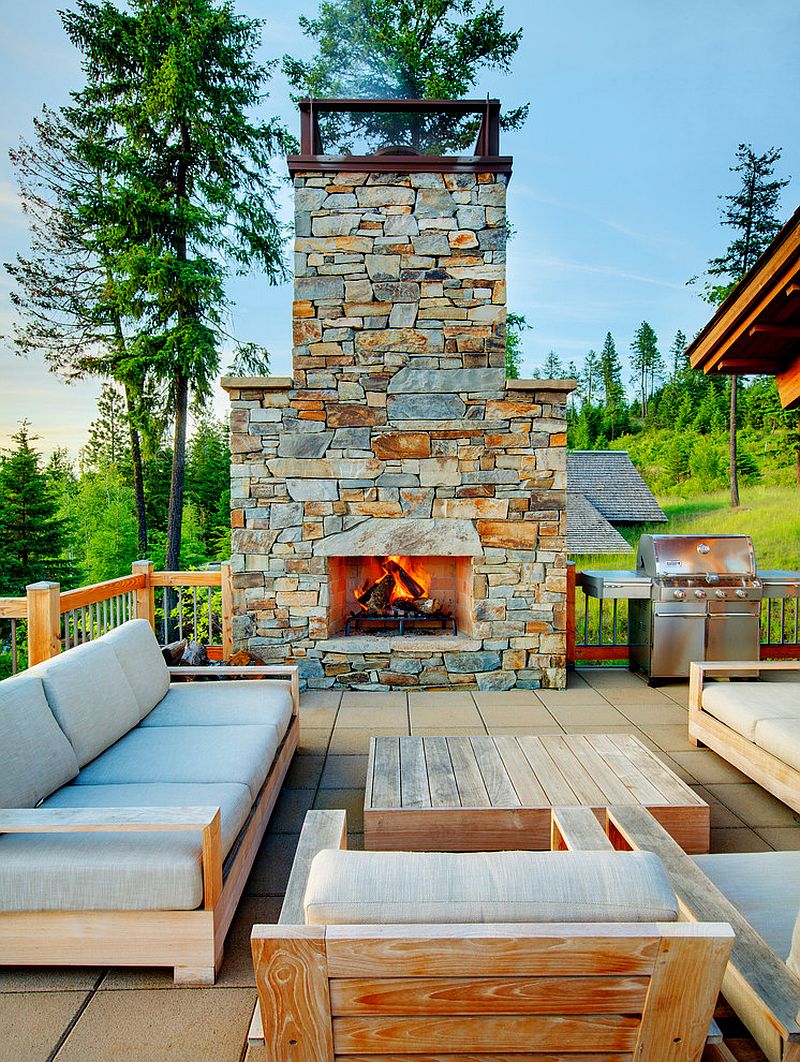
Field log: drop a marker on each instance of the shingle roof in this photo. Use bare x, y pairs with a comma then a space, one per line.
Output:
612, 484
588, 531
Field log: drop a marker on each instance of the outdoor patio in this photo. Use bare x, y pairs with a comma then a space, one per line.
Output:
79, 1014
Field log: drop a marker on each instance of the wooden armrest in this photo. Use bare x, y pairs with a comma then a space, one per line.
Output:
287, 671
757, 984
321, 829
698, 669
576, 829
130, 820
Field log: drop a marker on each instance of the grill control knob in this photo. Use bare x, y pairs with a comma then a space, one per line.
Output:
700, 593
680, 594
741, 593
719, 593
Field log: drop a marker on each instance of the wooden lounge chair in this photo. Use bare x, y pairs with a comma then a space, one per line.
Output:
753, 725
757, 984
537, 991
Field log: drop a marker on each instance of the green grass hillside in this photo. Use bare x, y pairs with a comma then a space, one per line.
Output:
769, 514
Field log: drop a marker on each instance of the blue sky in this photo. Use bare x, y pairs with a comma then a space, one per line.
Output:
637, 108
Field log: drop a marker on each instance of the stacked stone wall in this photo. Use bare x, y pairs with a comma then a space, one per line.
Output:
398, 433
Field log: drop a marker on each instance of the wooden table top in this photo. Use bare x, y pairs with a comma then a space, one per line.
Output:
509, 771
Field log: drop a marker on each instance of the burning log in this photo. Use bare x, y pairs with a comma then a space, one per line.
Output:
424, 606
377, 597
406, 581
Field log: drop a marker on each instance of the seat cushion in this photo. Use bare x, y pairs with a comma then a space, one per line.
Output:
356, 888
214, 703
35, 756
100, 871
139, 655
741, 705
763, 886
90, 697
781, 737
232, 799
202, 754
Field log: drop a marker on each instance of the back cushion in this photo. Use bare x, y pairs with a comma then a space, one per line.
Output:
35, 756
90, 697
139, 656
357, 888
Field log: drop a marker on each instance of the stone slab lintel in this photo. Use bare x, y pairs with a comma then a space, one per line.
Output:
256, 383
358, 644
409, 538
541, 385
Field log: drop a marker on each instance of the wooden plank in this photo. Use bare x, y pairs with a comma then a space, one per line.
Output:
527, 788
441, 780
498, 785
613, 790
638, 785
211, 855
547, 773
145, 602
578, 829
757, 982
321, 829
457, 829
550, 1033
89, 595
471, 788
186, 579
226, 617
105, 820
292, 982
13, 607
414, 789
488, 995
674, 790
571, 768
683, 990
386, 773
507, 949
494, 1056
689, 827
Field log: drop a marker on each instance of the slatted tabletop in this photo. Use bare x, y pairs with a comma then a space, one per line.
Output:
487, 793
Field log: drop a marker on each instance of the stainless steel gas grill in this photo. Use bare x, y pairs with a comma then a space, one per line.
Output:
704, 603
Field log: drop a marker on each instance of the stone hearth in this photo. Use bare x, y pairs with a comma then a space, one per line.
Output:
398, 434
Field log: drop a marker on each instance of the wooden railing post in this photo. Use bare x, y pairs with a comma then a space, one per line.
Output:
570, 613
145, 601
44, 621
227, 610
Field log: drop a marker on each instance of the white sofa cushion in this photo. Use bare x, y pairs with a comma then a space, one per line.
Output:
204, 754
232, 799
763, 886
781, 737
234, 702
100, 871
140, 657
741, 705
90, 697
356, 888
35, 755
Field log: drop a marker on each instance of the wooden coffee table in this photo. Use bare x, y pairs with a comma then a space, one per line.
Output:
482, 793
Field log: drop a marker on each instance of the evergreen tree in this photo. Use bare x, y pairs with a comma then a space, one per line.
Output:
32, 535
515, 326
678, 354
552, 368
613, 391
108, 435
591, 376
751, 213
208, 475
646, 362
403, 49
176, 80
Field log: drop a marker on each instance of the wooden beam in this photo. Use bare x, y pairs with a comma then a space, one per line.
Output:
782, 330
145, 602
44, 621
788, 383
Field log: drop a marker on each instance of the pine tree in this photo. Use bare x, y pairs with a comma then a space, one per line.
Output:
32, 535
515, 326
678, 354
177, 80
647, 363
591, 375
751, 213
108, 434
552, 368
611, 376
403, 49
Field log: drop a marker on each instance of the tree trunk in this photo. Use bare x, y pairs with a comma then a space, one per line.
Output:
734, 473
175, 517
138, 473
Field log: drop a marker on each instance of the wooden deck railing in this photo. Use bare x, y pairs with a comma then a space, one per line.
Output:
176, 604
597, 630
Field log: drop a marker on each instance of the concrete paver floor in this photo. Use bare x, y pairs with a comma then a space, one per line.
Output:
120, 1015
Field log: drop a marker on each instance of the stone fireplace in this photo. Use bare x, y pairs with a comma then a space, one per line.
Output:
398, 506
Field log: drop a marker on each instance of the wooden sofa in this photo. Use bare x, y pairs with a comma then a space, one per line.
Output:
141, 788
537, 990
755, 725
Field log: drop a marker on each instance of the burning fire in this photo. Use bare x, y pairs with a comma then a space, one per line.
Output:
393, 581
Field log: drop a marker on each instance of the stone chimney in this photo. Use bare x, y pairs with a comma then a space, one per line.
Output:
399, 435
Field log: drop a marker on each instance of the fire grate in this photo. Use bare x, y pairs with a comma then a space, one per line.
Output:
358, 620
